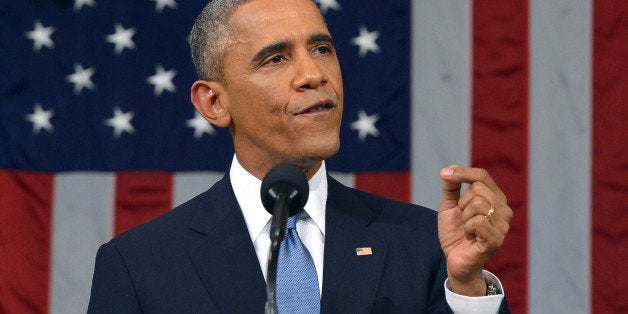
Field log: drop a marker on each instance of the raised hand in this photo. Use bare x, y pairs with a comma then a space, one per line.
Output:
471, 226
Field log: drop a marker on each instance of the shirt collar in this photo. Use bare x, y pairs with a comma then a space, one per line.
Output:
247, 191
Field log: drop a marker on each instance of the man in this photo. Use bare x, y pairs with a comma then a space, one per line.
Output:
269, 72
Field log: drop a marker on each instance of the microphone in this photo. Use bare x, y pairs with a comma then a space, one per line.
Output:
284, 192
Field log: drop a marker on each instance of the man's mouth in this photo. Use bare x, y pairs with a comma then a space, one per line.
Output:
317, 107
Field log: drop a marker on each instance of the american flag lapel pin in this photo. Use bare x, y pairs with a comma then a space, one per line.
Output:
362, 251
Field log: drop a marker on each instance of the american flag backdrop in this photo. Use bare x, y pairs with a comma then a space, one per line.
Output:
97, 133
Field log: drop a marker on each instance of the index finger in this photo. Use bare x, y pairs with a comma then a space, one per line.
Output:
461, 175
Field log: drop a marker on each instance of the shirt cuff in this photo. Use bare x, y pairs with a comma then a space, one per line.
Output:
487, 304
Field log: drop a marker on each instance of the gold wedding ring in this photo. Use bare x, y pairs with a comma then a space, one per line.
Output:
489, 214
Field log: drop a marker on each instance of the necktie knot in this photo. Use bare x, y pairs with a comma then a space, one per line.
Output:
292, 221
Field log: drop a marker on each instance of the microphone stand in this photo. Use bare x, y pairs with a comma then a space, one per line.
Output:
277, 234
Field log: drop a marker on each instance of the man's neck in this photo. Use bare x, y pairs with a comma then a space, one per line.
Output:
259, 170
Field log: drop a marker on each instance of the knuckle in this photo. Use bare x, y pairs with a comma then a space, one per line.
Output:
506, 228
483, 174
475, 188
477, 202
509, 217
499, 241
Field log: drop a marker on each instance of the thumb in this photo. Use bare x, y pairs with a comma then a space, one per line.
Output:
451, 188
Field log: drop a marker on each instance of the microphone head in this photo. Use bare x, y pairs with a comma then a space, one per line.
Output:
288, 180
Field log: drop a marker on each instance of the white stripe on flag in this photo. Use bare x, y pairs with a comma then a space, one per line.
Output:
440, 93
189, 184
82, 221
560, 160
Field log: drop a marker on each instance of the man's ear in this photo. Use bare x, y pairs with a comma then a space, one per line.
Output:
205, 96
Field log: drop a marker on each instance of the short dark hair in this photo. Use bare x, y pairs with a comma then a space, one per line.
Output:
209, 37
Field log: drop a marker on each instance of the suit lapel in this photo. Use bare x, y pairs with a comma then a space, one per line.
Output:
227, 265
350, 280
225, 260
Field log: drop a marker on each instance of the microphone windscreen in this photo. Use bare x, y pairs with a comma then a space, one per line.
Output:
280, 178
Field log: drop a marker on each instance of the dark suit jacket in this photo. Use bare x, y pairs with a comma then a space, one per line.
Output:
199, 258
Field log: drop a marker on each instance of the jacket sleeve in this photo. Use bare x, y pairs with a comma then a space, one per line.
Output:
438, 302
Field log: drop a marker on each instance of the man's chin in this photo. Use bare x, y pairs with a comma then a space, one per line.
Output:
326, 151
313, 156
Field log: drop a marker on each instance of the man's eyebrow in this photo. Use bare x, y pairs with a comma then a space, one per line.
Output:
279, 46
321, 38
270, 49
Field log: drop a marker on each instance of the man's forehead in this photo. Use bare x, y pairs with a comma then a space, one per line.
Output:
253, 15
273, 22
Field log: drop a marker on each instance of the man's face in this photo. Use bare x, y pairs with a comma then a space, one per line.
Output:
282, 85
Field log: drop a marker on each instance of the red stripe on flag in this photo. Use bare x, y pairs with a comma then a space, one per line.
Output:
610, 157
140, 197
500, 126
25, 226
394, 185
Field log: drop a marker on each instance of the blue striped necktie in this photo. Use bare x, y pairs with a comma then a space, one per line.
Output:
297, 282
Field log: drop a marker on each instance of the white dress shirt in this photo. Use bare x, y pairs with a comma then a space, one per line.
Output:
311, 229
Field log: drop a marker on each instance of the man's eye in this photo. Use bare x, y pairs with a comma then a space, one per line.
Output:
275, 59
324, 50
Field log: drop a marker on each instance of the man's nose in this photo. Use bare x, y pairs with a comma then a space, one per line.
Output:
309, 73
